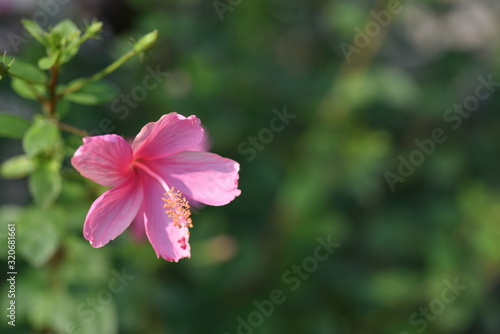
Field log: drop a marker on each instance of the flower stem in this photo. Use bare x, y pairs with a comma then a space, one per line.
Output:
79, 83
72, 129
53, 98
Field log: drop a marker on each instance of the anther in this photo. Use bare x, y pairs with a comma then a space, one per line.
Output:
177, 208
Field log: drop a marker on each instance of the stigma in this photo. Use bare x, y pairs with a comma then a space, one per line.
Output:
177, 208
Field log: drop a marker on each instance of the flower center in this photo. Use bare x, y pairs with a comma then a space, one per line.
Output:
177, 205
177, 208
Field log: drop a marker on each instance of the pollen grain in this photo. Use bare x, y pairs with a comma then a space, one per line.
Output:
177, 208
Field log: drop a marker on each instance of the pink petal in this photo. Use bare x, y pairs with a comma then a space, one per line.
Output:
205, 177
113, 212
137, 226
171, 134
104, 159
205, 143
169, 241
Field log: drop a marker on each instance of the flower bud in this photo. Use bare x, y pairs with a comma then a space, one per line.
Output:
4, 68
94, 29
147, 42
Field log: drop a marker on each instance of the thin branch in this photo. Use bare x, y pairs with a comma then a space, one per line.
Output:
52, 86
79, 83
72, 129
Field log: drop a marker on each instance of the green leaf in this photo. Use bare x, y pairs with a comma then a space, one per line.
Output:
82, 266
105, 321
43, 300
59, 308
65, 28
46, 63
45, 184
13, 126
36, 31
26, 71
94, 93
35, 283
65, 38
41, 137
28, 90
70, 51
17, 167
39, 237
62, 108
9, 214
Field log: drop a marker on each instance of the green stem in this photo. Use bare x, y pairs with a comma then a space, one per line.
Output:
83, 39
79, 83
52, 86
72, 129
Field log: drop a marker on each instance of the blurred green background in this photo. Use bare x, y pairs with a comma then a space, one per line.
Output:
363, 85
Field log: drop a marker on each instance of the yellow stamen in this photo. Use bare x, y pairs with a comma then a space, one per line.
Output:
177, 208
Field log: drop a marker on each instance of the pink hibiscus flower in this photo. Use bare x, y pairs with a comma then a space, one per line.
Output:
152, 182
